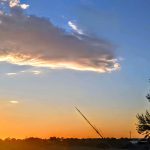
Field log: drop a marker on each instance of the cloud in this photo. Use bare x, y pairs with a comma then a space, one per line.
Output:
24, 6
34, 41
15, 3
11, 74
14, 102
8, 69
36, 72
75, 28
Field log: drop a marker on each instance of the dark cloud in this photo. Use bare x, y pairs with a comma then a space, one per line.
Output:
35, 41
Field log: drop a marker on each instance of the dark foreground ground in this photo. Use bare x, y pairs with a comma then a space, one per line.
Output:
67, 144
53, 148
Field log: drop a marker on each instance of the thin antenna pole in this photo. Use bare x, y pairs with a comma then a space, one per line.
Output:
96, 130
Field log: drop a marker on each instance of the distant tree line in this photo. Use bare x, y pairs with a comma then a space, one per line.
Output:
36, 143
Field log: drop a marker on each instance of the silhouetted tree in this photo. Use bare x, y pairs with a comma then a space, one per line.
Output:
143, 126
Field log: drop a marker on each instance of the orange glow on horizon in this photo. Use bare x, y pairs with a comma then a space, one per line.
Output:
17, 122
19, 129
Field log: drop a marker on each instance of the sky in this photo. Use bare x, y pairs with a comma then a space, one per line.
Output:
58, 54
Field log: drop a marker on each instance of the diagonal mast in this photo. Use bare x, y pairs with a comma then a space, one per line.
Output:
95, 129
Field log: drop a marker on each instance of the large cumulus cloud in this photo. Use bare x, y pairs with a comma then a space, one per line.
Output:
35, 41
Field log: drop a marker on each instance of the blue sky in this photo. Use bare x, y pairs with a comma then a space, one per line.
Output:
103, 96
124, 23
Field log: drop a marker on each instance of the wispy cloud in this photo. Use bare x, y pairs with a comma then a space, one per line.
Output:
14, 102
36, 72
35, 41
74, 27
11, 74
15, 70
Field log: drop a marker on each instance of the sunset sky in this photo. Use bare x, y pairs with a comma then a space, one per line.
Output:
58, 54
